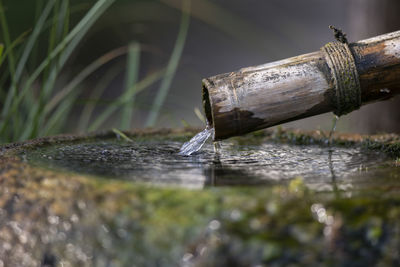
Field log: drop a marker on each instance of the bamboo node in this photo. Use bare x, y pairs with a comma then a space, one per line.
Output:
345, 76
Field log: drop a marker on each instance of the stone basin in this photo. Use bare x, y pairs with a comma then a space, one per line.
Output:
276, 197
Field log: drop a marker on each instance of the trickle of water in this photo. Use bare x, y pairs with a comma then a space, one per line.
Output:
217, 147
197, 142
335, 120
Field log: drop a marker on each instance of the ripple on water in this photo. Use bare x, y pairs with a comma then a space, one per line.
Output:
159, 162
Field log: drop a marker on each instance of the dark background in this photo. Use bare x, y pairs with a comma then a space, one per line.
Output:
224, 35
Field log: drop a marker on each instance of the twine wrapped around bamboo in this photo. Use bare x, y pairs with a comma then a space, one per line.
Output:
338, 78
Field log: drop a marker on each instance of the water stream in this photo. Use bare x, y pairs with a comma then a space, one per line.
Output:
333, 129
197, 142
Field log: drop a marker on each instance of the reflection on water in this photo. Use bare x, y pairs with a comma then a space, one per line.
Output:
322, 168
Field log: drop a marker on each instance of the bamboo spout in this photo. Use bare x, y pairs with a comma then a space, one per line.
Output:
258, 97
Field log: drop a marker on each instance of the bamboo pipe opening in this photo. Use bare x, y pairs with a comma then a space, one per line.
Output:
207, 105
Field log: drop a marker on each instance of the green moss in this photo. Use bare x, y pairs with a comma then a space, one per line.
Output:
123, 222
390, 147
271, 225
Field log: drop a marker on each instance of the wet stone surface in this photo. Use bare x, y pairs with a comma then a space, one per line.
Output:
100, 201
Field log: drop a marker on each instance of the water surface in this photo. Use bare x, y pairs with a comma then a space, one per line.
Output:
158, 162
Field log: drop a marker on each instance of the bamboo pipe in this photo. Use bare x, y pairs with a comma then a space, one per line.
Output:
258, 97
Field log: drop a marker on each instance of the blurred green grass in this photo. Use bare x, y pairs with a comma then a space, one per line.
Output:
38, 102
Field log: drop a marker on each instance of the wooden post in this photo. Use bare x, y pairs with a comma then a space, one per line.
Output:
262, 96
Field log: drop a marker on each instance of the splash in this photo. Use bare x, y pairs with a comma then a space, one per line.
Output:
197, 142
217, 147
